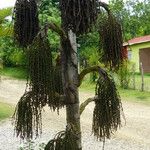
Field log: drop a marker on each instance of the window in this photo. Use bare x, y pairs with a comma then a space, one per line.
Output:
129, 54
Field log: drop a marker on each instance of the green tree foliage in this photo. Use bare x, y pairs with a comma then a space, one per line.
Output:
4, 13
11, 54
5, 29
88, 52
88, 46
134, 15
49, 12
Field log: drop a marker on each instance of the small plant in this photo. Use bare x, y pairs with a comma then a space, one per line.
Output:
124, 75
30, 145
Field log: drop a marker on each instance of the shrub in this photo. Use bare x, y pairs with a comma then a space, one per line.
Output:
124, 75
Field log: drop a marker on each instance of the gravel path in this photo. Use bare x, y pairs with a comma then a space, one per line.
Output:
135, 135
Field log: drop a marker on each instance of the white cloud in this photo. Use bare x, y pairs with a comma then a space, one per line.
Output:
6, 3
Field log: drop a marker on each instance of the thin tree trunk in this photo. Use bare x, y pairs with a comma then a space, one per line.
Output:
70, 82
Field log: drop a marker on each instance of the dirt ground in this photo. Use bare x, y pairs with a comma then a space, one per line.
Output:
134, 134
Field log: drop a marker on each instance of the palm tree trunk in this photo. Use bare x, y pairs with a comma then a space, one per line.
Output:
70, 82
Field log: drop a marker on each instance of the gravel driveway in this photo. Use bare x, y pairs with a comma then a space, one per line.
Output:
135, 135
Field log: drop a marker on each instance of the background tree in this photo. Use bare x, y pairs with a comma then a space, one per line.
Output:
5, 29
56, 84
134, 16
10, 53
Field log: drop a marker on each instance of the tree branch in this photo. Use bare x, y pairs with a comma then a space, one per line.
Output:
85, 103
54, 28
89, 70
105, 6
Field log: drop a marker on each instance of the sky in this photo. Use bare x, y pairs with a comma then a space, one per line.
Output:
9, 3
6, 3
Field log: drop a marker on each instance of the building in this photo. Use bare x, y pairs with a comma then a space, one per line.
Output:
139, 52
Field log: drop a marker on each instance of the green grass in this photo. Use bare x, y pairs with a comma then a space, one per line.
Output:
138, 81
126, 94
87, 86
6, 110
18, 73
135, 96
145, 74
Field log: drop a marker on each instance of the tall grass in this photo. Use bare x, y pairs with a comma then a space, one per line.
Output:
6, 110
18, 73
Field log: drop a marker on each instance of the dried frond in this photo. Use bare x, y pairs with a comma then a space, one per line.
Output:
111, 41
78, 15
106, 116
63, 140
26, 22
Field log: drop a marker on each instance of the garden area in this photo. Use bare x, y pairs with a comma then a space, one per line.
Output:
69, 78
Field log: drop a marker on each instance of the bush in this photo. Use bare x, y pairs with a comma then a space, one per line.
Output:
124, 74
10, 54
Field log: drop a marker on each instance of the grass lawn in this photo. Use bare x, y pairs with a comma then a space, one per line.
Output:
18, 73
135, 95
138, 81
6, 111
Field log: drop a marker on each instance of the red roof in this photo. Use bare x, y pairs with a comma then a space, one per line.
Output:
138, 40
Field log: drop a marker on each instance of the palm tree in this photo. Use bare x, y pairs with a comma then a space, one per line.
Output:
58, 85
